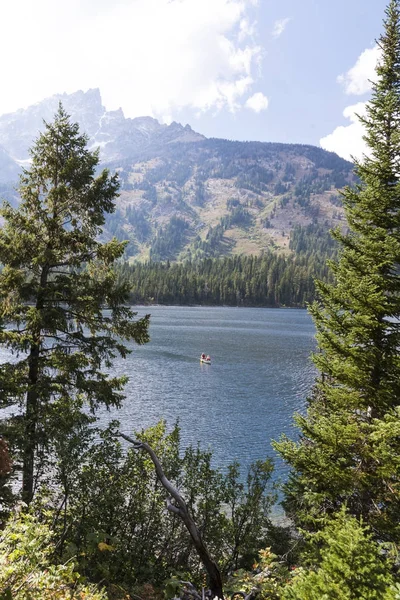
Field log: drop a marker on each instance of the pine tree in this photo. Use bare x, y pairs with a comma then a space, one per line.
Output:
344, 564
57, 280
349, 445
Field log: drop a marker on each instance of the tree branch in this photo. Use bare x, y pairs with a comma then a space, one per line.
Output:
180, 508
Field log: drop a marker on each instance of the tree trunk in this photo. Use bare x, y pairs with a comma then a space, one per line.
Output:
31, 419
32, 402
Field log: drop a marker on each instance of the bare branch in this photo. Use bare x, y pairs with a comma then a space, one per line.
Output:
172, 508
180, 508
191, 590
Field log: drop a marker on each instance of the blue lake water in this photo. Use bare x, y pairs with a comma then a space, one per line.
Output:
260, 375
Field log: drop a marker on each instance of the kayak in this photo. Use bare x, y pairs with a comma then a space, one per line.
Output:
205, 361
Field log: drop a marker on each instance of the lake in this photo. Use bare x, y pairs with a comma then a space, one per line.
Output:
260, 375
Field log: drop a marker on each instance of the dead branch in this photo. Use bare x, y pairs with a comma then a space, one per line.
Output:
177, 505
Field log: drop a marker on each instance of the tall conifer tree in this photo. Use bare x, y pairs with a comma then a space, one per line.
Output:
56, 282
349, 448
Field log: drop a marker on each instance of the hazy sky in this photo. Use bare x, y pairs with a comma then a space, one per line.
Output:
269, 70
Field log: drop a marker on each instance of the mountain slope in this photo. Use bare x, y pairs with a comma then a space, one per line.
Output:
184, 196
217, 197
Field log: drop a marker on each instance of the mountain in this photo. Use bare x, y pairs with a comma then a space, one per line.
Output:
117, 136
184, 196
9, 168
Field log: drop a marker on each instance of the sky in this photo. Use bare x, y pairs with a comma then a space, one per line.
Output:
268, 70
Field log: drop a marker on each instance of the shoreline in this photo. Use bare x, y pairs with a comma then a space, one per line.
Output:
218, 306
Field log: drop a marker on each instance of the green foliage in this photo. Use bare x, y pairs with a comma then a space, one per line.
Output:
112, 509
172, 587
248, 509
265, 580
267, 280
255, 178
312, 239
344, 564
168, 239
26, 569
315, 184
239, 217
349, 444
138, 220
56, 282
200, 194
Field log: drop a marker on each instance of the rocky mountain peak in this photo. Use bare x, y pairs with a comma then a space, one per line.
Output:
147, 124
19, 129
118, 137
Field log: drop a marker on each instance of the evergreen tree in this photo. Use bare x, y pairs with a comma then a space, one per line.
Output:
56, 282
345, 564
350, 440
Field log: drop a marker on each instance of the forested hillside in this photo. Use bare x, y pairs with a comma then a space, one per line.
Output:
185, 197
270, 279
217, 198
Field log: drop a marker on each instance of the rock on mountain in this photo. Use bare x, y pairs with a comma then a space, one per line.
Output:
118, 137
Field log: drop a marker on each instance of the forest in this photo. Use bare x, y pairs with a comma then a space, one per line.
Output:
272, 279
268, 280
91, 513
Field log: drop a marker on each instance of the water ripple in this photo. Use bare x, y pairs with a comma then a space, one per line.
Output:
260, 375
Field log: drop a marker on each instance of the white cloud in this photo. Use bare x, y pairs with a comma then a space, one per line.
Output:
246, 29
280, 26
358, 79
346, 140
151, 57
257, 102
